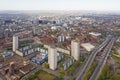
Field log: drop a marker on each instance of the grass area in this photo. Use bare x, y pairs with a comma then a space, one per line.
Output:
46, 65
41, 45
117, 44
115, 56
73, 68
25, 44
90, 71
42, 75
62, 73
54, 32
108, 70
108, 74
74, 78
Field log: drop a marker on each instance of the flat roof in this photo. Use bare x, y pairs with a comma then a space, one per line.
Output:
87, 46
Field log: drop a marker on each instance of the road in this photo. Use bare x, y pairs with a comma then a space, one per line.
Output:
31, 72
101, 64
91, 58
2, 76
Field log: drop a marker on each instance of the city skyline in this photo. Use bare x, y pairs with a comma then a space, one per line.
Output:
59, 40
102, 5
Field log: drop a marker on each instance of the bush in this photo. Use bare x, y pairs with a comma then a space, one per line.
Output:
41, 45
73, 68
62, 73
46, 65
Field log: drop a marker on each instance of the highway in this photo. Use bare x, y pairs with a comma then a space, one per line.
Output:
92, 57
101, 64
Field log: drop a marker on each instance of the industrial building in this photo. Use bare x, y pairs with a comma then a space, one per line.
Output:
75, 49
52, 58
87, 46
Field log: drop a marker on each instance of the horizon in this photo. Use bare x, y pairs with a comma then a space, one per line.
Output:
95, 5
61, 11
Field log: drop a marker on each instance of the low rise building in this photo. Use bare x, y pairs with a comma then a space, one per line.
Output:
40, 58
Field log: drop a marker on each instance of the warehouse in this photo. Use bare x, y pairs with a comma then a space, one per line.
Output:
87, 46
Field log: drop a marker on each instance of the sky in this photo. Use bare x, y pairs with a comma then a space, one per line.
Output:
101, 5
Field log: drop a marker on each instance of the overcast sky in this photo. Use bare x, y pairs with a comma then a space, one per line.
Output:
59, 4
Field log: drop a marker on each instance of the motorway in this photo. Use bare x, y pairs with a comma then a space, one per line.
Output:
101, 64
91, 58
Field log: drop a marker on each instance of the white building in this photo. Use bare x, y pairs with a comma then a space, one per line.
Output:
87, 46
61, 39
15, 42
52, 58
75, 50
95, 34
